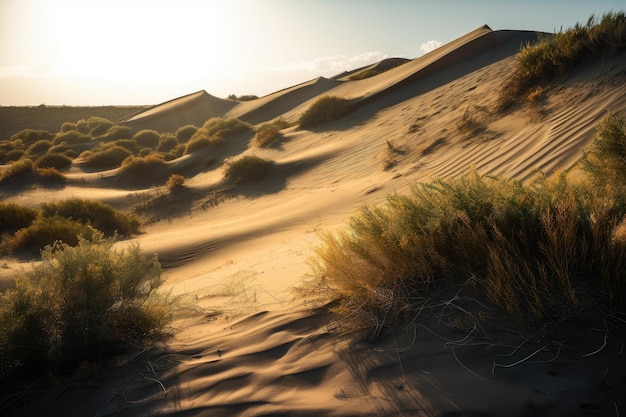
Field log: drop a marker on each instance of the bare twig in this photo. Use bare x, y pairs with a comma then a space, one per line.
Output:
498, 365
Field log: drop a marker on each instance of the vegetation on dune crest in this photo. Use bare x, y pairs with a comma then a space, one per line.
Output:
268, 133
79, 304
247, 168
521, 249
540, 63
214, 133
324, 110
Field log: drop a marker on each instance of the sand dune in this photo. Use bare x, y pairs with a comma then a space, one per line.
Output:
239, 254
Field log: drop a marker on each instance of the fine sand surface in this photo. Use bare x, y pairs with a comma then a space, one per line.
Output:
248, 345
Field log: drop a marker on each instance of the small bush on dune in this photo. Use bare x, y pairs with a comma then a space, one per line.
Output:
175, 182
99, 215
38, 148
53, 160
147, 138
184, 133
14, 217
324, 110
268, 133
117, 132
98, 126
17, 169
139, 166
78, 305
167, 142
248, 168
200, 141
28, 136
110, 158
71, 137
218, 126
49, 174
14, 155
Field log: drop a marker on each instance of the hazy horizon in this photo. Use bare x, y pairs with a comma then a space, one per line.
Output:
139, 52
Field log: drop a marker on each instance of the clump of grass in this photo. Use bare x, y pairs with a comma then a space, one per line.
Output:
17, 169
167, 143
28, 136
469, 124
519, 248
138, 166
554, 56
111, 157
184, 133
268, 133
365, 74
14, 217
71, 137
175, 182
117, 132
99, 215
247, 168
324, 110
50, 174
219, 126
79, 304
147, 138
200, 141
244, 97
38, 148
53, 160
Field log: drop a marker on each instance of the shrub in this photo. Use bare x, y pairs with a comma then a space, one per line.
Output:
17, 169
38, 148
71, 137
14, 217
147, 138
202, 141
14, 155
267, 133
519, 248
110, 158
78, 305
245, 97
184, 133
99, 215
53, 160
167, 143
117, 132
218, 126
364, 74
324, 110
46, 231
98, 126
554, 56
138, 166
32, 135
247, 168
50, 174
175, 182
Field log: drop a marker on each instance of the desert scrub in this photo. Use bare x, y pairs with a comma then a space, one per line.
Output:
200, 141
247, 168
516, 248
323, 110
100, 215
138, 166
167, 143
268, 133
184, 133
219, 126
71, 137
49, 174
175, 182
539, 63
17, 169
38, 148
147, 138
79, 304
117, 132
28, 136
14, 217
53, 160
111, 157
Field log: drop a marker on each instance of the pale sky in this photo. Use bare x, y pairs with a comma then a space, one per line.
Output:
98, 52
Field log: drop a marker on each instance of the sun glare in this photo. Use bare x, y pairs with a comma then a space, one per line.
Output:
141, 41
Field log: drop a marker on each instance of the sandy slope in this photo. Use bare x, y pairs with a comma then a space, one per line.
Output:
267, 353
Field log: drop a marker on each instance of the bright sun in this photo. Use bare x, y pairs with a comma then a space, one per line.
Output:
126, 41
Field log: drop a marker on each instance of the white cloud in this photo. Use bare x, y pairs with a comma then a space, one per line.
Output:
430, 46
335, 63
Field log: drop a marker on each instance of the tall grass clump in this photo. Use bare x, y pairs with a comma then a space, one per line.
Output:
184, 133
537, 253
138, 166
53, 160
28, 136
111, 157
14, 217
99, 215
247, 168
554, 56
268, 133
17, 169
324, 110
80, 303
147, 138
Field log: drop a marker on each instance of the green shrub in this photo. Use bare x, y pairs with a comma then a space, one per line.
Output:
554, 56
138, 166
98, 126
78, 305
71, 137
17, 169
324, 110
67, 126
117, 132
518, 248
268, 133
218, 126
53, 160
45, 231
99, 215
109, 158
28, 136
167, 142
147, 138
175, 182
38, 148
247, 168
605, 159
184, 133
14, 217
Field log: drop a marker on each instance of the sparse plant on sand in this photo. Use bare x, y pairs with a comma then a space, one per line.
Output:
325, 109
147, 138
14, 217
53, 160
17, 169
175, 182
79, 304
137, 166
248, 168
469, 124
268, 133
110, 157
